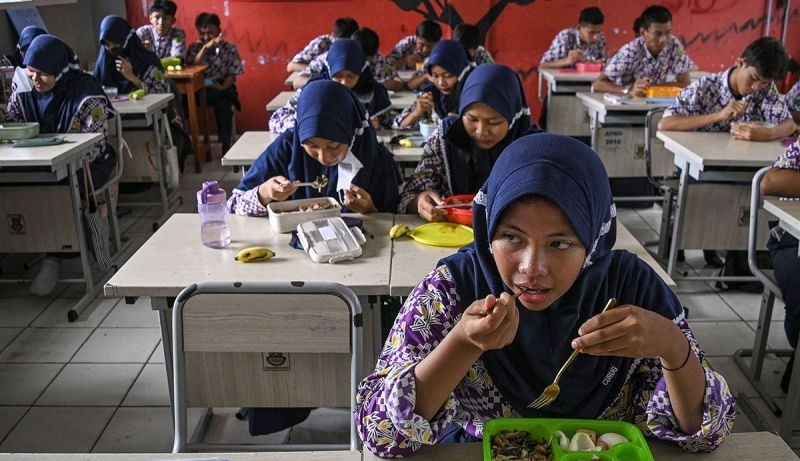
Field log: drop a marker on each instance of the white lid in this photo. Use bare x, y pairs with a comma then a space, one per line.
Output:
330, 240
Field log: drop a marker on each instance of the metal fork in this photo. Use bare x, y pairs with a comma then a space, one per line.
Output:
550, 393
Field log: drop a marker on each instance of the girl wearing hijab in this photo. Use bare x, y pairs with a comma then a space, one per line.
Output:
331, 137
63, 100
20, 81
463, 351
447, 68
124, 62
459, 155
345, 63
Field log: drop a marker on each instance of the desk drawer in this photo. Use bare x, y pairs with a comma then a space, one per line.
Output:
36, 219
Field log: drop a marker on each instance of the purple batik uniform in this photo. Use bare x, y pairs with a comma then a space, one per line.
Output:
634, 61
570, 39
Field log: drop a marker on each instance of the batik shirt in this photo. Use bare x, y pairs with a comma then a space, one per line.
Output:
406, 46
430, 173
314, 48
382, 69
285, 117
482, 56
634, 61
711, 93
385, 399
226, 62
790, 158
91, 117
570, 39
793, 98
153, 81
172, 44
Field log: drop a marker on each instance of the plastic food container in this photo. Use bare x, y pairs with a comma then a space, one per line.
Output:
329, 240
662, 91
285, 216
460, 215
19, 130
589, 66
543, 430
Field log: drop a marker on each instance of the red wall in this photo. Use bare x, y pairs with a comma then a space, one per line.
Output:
269, 32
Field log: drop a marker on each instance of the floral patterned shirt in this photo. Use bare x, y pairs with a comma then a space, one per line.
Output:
285, 117
430, 173
91, 117
226, 62
570, 39
793, 98
381, 69
634, 61
406, 46
790, 158
482, 56
153, 80
314, 48
711, 93
172, 44
385, 399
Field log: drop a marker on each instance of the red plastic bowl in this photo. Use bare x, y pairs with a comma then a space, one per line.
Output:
460, 215
589, 66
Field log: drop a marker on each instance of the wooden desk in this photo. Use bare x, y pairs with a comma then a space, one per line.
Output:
190, 81
723, 168
279, 100
149, 112
565, 113
291, 78
412, 260
402, 99
57, 227
746, 446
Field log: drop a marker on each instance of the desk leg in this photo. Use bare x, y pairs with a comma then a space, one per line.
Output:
164, 311
683, 185
204, 116
195, 129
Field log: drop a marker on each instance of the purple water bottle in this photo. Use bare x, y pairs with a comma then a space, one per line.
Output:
212, 206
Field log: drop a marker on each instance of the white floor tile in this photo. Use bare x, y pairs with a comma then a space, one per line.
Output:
141, 430
119, 345
55, 345
7, 335
56, 313
722, 338
707, 306
58, 430
139, 314
777, 337
150, 389
20, 312
157, 356
748, 305
9, 417
98, 384
771, 374
225, 428
22, 383
324, 425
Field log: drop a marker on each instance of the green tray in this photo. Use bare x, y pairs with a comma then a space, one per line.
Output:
38, 142
544, 429
19, 130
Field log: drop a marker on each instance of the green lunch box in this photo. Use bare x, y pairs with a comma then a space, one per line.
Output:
19, 130
543, 429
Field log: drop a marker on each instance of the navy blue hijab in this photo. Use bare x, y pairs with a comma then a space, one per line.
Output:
27, 35
117, 30
347, 54
328, 110
570, 175
498, 87
452, 57
55, 109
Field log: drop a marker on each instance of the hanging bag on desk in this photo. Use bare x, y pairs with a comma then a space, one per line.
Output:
172, 170
97, 224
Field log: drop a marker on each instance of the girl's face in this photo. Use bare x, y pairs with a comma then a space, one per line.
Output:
115, 49
346, 78
536, 250
325, 151
42, 81
443, 79
484, 125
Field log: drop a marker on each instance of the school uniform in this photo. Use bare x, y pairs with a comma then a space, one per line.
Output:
634, 61
172, 44
711, 93
20, 80
381, 69
451, 162
793, 97
570, 39
315, 47
226, 61
404, 47
482, 56
504, 382
327, 110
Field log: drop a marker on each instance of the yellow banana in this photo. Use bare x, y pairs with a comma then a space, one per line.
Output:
398, 230
254, 254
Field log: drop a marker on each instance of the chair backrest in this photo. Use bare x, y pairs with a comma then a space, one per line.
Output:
752, 235
650, 141
267, 344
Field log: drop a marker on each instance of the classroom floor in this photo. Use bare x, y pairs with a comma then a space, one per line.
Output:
99, 384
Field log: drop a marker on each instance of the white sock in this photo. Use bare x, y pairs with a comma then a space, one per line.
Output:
47, 278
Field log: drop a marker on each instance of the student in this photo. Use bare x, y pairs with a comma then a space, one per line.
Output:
124, 62
347, 65
63, 100
446, 67
470, 36
462, 351
654, 57
342, 28
415, 49
458, 157
583, 43
744, 93
161, 36
224, 64
783, 179
20, 81
331, 137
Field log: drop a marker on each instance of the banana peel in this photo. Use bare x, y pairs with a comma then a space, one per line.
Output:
254, 254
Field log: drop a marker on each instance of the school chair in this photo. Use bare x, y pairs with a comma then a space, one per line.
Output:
265, 344
752, 371
667, 186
